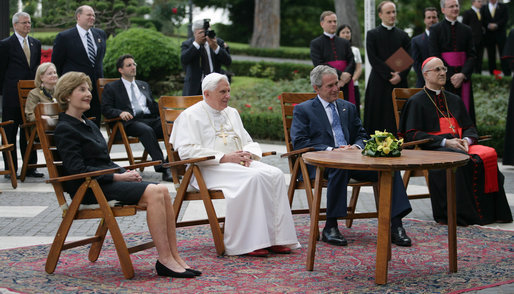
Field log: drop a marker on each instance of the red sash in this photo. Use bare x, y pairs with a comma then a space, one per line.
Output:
487, 154
455, 59
341, 66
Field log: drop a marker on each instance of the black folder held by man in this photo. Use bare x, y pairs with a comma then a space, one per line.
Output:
400, 60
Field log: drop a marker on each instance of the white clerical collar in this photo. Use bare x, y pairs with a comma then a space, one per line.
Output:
427, 32
437, 92
208, 108
331, 36
387, 27
451, 21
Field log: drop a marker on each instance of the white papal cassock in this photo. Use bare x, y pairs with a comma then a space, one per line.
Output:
257, 210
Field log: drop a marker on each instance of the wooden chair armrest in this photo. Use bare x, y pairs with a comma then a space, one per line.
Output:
269, 153
7, 122
297, 152
187, 161
143, 164
83, 175
485, 138
28, 124
417, 142
110, 120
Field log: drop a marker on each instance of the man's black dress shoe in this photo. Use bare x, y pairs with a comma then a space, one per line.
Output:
34, 174
166, 175
333, 236
399, 237
162, 270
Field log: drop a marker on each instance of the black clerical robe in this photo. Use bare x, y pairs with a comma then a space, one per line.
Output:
419, 118
381, 43
445, 38
324, 50
508, 155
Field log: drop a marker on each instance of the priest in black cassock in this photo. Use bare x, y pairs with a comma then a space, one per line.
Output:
508, 54
452, 41
381, 43
329, 49
440, 115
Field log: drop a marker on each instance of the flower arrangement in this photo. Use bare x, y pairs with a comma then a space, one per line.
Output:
383, 144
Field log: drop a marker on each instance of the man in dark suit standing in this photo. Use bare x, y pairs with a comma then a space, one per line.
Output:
494, 19
473, 18
20, 57
82, 49
132, 101
419, 44
200, 56
328, 123
331, 50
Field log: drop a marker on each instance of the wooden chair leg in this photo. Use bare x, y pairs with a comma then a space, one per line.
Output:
406, 178
10, 163
376, 195
64, 228
352, 206
211, 213
293, 182
114, 229
96, 247
26, 156
144, 158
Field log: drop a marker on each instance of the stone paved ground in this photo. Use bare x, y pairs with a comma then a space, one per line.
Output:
30, 214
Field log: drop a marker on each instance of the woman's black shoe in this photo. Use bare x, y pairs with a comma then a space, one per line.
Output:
166, 272
195, 272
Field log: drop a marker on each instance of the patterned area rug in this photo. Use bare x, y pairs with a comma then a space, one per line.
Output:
485, 258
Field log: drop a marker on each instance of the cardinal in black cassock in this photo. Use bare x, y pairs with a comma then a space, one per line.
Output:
508, 155
441, 116
381, 43
452, 41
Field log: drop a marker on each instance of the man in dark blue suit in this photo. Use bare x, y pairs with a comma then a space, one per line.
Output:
132, 101
419, 44
82, 49
20, 57
316, 125
200, 56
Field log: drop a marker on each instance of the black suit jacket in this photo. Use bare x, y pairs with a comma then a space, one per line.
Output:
501, 16
69, 53
190, 58
322, 53
14, 67
470, 18
419, 52
115, 99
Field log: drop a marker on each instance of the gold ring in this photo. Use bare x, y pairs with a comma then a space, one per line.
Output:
242, 163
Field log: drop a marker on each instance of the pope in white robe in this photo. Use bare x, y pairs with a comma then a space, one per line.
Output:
258, 215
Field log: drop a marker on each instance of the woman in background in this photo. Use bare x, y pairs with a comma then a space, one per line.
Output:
345, 32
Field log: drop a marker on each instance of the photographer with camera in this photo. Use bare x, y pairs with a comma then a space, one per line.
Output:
201, 55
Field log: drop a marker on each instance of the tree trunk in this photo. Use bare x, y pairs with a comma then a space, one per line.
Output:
347, 14
266, 24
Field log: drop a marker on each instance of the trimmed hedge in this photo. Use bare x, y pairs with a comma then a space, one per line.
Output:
272, 70
266, 126
282, 52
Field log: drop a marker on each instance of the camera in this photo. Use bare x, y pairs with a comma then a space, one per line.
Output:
208, 33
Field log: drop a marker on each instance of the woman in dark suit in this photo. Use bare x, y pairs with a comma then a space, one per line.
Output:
83, 149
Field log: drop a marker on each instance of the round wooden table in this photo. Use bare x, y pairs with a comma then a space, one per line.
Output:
386, 166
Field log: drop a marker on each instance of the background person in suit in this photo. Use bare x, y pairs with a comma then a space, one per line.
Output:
494, 19
201, 55
132, 101
82, 49
20, 57
419, 44
328, 123
473, 18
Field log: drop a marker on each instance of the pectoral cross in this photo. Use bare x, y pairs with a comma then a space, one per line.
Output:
452, 127
224, 136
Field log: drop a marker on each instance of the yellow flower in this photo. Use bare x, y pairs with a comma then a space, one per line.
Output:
379, 147
386, 150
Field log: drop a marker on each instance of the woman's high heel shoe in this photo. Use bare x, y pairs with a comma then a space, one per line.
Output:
162, 270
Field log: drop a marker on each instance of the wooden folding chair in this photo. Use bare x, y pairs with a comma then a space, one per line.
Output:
6, 148
116, 132
400, 97
296, 165
46, 120
170, 108
28, 127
